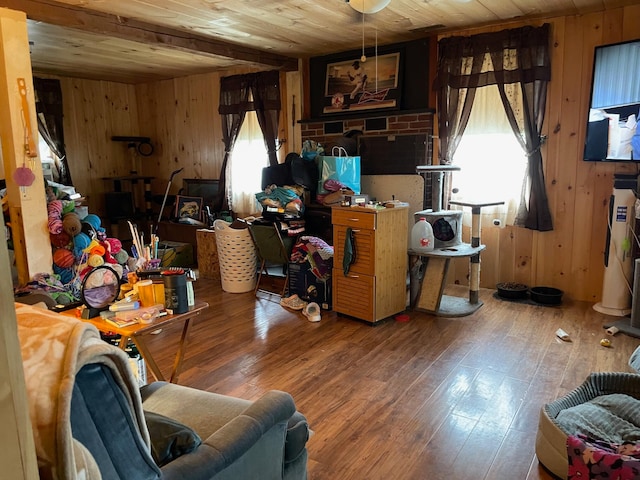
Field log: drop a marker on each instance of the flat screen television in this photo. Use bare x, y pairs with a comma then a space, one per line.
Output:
613, 128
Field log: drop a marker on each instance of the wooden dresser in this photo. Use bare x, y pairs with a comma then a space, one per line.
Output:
375, 286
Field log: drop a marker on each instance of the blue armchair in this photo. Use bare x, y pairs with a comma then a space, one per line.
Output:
91, 420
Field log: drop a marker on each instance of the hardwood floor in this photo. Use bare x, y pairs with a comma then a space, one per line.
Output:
432, 398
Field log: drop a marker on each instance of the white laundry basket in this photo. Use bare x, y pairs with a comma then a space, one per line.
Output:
237, 257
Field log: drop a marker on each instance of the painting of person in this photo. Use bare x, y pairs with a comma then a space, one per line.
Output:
358, 77
354, 85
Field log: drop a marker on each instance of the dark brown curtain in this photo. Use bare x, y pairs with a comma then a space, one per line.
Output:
234, 104
266, 100
238, 95
49, 112
517, 61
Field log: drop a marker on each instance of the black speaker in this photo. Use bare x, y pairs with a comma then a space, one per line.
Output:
333, 127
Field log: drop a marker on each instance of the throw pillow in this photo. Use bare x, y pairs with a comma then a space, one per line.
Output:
169, 438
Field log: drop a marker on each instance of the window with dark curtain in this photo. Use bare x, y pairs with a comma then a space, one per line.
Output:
515, 60
238, 95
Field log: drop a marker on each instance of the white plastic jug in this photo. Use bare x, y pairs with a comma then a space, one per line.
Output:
422, 240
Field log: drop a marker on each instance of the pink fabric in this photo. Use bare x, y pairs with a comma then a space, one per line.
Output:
596, 459
333, 185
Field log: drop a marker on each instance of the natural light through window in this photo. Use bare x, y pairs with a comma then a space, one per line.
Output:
248, 159
491, 160
47, 158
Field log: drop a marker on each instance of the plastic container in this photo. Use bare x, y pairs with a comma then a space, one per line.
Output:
141, 315
422, 240
446, 225
146, 294
175, 291
237, 257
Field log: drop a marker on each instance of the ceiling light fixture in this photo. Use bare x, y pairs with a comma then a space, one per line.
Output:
368, 6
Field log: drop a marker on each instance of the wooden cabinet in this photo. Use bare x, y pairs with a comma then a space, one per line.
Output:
179, 232
375, 286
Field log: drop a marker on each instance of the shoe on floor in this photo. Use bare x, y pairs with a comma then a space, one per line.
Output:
312, 312
294, 302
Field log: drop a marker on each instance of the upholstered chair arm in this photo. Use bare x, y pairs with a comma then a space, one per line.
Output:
238, 436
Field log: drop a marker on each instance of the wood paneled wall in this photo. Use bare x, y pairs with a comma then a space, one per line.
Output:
571, 256
181, 117
94, 111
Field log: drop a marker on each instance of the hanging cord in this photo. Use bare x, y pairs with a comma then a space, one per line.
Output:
363, 58
376, 59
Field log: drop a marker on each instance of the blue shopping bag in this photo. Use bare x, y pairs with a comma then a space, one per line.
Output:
343, 168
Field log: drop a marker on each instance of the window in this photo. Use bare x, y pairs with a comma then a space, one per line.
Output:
248, 159
47, 158
492, 162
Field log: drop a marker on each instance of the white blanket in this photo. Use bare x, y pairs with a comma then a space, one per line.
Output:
54, 348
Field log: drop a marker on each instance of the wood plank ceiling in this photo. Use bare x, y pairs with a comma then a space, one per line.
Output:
135, 41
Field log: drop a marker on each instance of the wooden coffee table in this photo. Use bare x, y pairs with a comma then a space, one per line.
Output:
139, 333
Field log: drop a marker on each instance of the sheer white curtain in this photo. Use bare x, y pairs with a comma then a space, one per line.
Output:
492, 162
244, 170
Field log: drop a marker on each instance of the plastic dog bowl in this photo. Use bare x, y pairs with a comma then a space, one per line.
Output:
512, 290
546, 295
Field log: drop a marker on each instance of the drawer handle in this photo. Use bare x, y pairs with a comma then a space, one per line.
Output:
354, 219
353, 276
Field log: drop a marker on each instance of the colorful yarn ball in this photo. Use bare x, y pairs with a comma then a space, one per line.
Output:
93, 220
71, 224
55, 225
121, 257
95, 260
63, 258
60, 239
54, 209
68, 206
114, 244
54, 212
108, 258
97, 250
94, 243
65, 274
81, 241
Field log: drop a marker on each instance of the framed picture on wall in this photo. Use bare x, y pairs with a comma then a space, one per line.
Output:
352, 85
403, 67
188, 207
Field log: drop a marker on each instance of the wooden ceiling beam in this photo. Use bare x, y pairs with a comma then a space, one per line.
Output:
100, 23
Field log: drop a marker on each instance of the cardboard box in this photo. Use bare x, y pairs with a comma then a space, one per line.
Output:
175, 254
307, 286
208, 261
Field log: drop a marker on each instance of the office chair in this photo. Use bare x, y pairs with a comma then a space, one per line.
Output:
273, 250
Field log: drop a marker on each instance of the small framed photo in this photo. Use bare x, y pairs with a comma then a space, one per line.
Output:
188, 207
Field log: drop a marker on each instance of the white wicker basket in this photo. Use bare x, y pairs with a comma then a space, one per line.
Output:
237, 257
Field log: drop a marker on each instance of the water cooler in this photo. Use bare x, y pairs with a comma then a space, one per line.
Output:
618, 258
